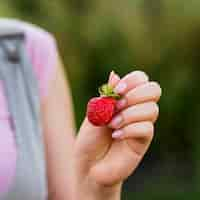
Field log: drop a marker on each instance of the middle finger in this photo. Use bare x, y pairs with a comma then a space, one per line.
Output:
141, 112
150, 91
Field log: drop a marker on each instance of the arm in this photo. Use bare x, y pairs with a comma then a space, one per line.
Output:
94, 166
59, 132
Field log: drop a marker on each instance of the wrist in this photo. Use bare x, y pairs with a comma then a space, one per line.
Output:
101, 194
108, 193
88, 190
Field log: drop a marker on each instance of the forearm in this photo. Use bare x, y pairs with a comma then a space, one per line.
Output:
105, 194
99, 196
85, 196
59, 174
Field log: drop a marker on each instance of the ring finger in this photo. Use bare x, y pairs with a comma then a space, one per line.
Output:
136, 113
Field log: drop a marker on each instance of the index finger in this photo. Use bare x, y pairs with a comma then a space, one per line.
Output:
113, 79
131, 81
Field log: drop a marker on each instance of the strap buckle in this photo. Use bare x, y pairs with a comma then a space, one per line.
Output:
11, 33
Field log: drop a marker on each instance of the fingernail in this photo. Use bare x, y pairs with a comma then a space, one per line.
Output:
111, 76
120, 88
114, 79
117, 134
115, 122
121, 103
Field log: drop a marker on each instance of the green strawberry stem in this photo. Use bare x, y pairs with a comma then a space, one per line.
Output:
107, 90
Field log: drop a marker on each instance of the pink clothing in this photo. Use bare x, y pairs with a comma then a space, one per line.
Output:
41, 48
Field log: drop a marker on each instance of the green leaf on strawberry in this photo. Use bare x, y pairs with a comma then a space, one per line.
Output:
108, 91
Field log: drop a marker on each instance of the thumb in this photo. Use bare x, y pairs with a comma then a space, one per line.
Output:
93, 141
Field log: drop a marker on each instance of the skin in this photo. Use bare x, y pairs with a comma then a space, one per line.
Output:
94, 165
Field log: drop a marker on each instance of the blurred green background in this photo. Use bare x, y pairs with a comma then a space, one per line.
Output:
161, 37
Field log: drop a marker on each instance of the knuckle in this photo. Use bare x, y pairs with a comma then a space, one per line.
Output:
151, 135
126, 129
155, 110
140, 75
129, 97
156, 87
150, 130
124, 118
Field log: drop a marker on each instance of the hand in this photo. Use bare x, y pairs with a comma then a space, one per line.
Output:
106, 156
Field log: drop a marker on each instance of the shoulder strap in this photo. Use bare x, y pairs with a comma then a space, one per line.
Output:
22, 94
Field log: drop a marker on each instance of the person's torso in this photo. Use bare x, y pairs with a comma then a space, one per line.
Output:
41, 49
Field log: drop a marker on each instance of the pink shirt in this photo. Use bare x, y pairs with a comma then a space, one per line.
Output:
41, 48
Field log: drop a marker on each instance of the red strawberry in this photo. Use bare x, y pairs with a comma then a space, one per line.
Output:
100, 110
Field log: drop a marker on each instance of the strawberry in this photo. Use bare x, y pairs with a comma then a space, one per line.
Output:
100, 110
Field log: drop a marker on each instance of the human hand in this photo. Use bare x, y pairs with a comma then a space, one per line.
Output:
105, 156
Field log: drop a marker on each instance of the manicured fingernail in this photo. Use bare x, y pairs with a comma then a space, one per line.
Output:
117, 134
121, 103
111, 76
120, 88
114, 79
116, 122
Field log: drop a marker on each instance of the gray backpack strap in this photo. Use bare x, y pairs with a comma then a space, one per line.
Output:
22, 94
